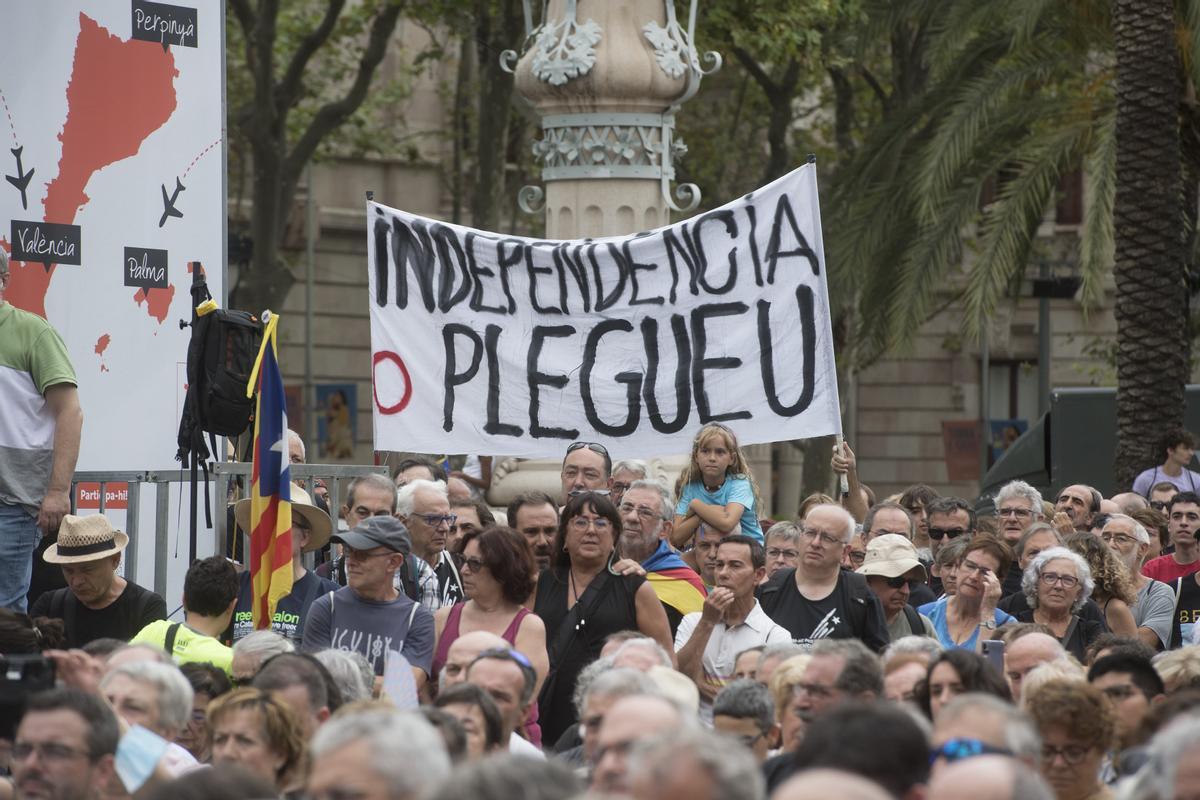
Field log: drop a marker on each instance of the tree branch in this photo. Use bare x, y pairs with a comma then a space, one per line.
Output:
289, 87
757, 72
334, 113
876, 87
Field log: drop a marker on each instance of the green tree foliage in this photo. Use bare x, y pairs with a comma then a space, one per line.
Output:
297, 72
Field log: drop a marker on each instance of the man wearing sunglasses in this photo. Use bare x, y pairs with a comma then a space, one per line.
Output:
890, 565
949, 519
424, 508
587, 467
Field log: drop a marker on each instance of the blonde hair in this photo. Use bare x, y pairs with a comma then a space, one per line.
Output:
280, 727
784, 680
1059, 670
815, 499
1179, 668
738, 467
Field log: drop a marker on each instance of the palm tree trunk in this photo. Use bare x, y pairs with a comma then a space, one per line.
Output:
1152, 300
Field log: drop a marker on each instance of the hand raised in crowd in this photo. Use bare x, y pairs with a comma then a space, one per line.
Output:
77, 669
844, 461
991, 595
1062, 523
718, 600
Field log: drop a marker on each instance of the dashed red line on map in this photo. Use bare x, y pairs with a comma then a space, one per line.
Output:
202, 154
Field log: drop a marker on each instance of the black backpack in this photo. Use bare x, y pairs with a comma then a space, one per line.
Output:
221, 354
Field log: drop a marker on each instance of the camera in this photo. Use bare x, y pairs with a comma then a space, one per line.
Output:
21, 676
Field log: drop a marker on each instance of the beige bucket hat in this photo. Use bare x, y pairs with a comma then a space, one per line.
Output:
891, 556
89, 538
302, 505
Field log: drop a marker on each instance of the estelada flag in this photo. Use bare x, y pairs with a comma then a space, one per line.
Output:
270, 482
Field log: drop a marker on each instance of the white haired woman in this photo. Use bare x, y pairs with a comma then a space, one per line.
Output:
1057, 583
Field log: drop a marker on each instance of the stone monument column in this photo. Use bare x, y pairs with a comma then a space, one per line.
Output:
607, 78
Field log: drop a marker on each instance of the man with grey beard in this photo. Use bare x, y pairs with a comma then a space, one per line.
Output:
1154, 609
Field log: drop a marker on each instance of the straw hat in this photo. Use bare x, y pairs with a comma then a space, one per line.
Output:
302, 504
89, 538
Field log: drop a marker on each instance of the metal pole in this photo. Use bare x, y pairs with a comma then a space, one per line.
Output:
985, 404
1044, 346
310, 245
133, 509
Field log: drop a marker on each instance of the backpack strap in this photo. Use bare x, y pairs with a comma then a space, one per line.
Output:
914, 620
172, 632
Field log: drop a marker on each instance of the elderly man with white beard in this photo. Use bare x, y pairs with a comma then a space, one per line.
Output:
1154, 609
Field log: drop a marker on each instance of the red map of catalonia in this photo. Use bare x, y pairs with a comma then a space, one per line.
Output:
120, 92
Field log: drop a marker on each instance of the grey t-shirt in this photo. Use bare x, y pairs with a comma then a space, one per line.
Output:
1155, 609
342, 620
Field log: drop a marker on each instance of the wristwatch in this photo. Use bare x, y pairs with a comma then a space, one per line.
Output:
990, 624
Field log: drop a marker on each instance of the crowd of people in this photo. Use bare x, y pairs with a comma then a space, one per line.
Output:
636, 639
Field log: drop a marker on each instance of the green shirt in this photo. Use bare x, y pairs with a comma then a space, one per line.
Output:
190, 647
32, 359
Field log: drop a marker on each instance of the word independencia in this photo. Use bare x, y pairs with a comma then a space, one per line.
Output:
589, 276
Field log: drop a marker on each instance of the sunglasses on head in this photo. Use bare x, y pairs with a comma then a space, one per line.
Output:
959, 749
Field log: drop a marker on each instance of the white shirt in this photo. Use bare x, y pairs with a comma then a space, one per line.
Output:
522, 747
720, 654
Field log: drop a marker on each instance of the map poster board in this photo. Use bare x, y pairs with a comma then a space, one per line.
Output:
112, 126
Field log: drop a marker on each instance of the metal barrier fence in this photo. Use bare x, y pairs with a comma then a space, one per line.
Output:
221, 475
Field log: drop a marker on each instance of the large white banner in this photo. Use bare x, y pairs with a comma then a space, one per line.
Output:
484, 343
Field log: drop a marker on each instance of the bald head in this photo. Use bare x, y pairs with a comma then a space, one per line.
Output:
1025, 653
463, 651
1130, 502
629, 720
830, 783
986, 778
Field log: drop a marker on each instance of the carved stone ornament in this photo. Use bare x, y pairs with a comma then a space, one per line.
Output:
671, 48
565, 50
604, 145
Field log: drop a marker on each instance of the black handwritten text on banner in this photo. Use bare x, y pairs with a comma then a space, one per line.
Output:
501, 345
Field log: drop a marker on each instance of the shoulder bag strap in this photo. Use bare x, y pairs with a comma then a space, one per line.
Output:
70, 610
172, 632
576, 619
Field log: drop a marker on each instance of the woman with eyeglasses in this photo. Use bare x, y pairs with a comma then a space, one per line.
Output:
497, 571
958, 619
1057, 584
1115, 591
581, 601
1077, 725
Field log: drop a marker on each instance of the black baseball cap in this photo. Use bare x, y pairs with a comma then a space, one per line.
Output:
381, 531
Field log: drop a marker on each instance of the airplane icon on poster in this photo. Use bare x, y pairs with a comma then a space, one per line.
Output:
169, 209
21, 179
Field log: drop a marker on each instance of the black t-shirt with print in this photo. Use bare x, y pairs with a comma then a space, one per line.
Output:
850, 611
1187, 610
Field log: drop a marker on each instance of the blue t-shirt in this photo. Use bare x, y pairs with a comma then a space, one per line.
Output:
735, 489
936, 611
